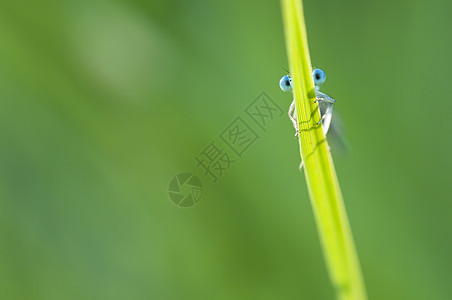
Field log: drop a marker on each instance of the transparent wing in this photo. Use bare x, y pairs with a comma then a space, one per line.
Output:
325, 103
336, 136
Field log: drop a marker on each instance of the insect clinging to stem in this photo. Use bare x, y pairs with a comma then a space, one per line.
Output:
324, 101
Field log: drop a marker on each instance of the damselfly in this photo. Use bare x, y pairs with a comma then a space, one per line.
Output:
324, 101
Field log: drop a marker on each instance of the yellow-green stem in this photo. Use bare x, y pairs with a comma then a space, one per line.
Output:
323, 186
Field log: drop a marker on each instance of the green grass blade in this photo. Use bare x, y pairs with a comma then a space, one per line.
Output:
323, 186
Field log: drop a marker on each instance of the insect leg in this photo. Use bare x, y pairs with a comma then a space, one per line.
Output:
324, 100
293, 117
300, 167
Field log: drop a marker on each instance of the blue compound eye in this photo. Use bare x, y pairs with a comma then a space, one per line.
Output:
285, 83
319, 77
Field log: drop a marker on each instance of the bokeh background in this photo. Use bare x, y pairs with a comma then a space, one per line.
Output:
103, 102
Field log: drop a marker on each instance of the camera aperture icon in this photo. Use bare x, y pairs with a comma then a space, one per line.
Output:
185, 190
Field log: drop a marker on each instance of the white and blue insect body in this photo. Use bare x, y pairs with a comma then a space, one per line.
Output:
324, 101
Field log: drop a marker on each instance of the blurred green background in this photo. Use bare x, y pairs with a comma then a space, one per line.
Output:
103, 102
